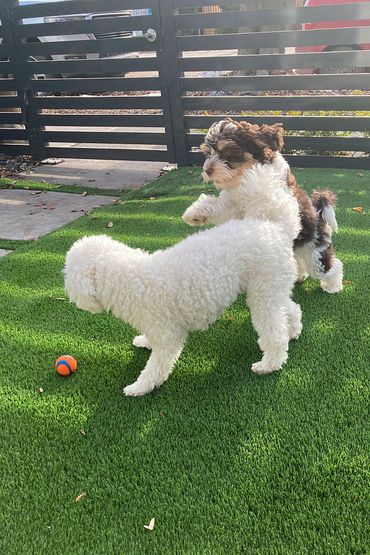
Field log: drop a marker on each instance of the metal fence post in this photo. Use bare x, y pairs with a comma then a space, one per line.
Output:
170, 75
23, 86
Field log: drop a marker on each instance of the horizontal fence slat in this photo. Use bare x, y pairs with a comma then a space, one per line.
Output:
275, 39
10, 118
92, 66
104, 137
88, 26
76, 47
10, 101
7, 85
5, 67
4, 53
98, 102
103, 120
340, 162
13, 135
277, 82
306, 143
107, 154
94, 85
298, 123
79, 6
14, 150
91, 153
274, 16
308, 103
351, 58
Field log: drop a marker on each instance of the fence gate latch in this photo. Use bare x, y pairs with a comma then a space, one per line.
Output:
150, 35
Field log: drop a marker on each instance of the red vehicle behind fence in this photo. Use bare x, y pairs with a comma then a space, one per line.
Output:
332, 25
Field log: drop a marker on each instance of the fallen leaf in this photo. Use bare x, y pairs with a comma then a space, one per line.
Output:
81, 496
360, 174
110, 225
57, 298
36, 193
162, 413
118, 201
359, 209
41, 390
347, 282
151, 198
150, 526
84, 194
230, 318
82, 432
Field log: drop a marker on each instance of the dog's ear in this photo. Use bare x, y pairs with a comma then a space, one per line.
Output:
260, 141
275, 135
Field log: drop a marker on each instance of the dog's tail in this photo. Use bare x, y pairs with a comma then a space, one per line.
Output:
324, 203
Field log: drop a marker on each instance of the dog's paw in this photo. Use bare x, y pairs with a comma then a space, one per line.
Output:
138, 389
302, 277
331, 287
141, 341
295, 332
194, 218
262, 368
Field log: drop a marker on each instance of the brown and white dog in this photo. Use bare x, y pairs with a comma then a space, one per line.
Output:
245, 164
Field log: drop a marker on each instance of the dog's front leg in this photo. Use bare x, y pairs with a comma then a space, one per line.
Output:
165, 353
207, 209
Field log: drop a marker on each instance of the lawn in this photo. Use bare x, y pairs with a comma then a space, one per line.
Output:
227, 462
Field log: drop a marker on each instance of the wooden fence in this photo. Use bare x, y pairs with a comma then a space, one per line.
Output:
146, 87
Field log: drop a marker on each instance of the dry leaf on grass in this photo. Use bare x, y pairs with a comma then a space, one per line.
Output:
360, 174
81, 496
84, 194
41, 390
110, 225
151, 524
359, 209
347, 282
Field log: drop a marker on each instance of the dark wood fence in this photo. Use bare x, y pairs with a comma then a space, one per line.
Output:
100, 100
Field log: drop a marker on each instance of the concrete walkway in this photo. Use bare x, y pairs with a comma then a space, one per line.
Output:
100, 174
30, 214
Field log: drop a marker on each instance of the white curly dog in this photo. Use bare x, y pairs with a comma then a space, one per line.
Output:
167, 294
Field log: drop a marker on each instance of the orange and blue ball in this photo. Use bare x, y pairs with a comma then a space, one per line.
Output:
65, 365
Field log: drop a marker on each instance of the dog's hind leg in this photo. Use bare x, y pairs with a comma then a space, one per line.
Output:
294, 320
301, 265
165, 351
272, 325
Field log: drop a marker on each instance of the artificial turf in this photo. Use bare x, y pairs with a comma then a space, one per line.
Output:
227, 462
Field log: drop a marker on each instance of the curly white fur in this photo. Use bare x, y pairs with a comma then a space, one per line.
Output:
261, 193
170, 293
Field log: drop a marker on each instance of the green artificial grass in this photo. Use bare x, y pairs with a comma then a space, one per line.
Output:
227, 462
20, 183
